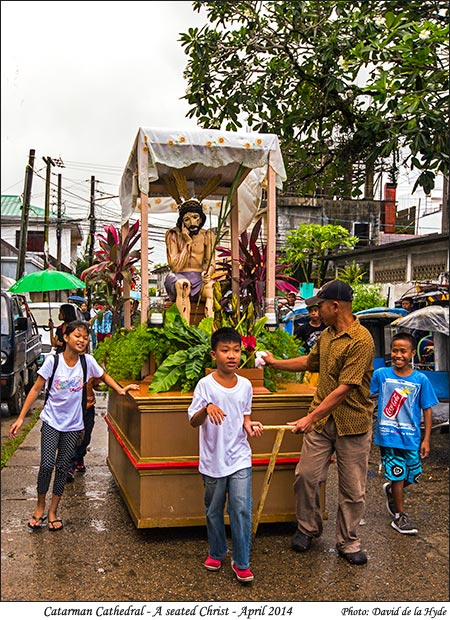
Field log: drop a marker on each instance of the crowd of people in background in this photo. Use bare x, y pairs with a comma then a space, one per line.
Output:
99, 319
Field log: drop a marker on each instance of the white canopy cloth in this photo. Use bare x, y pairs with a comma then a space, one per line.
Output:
199, 154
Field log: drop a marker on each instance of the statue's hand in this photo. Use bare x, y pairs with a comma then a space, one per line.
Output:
205, 277
185, 234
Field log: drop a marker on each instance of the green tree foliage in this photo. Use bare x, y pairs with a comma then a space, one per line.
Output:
308, 247
352, 273
367, 296
344, 84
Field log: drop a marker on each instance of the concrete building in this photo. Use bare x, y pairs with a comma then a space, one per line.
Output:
67, 237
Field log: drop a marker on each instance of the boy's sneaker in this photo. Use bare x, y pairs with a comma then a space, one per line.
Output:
211, 564
242, 574
403, 525
390, 505
80, 468
71, 474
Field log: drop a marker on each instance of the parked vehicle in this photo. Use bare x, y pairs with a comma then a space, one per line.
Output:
21, 350
294, 318
42, 311
376, 320
426, 294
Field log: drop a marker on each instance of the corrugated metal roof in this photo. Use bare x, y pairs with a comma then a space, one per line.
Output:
12, 207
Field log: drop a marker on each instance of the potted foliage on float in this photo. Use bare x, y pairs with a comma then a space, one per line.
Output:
114, 264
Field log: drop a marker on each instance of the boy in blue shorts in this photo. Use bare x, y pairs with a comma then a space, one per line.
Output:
403, 393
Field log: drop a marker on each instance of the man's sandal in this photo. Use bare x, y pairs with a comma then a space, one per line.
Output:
52, 523
39, 522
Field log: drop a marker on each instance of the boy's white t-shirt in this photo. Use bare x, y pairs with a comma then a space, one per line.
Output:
224, 448
63, 409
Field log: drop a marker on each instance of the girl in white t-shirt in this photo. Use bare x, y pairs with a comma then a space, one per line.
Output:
62, 417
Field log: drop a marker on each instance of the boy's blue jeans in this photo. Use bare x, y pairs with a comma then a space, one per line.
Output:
238, 486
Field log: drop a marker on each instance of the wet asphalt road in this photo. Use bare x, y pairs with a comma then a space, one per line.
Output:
101, 556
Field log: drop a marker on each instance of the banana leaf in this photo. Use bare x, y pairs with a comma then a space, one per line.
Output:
169, 372
198, 358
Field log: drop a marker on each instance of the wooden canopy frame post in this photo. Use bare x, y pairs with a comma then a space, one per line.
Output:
126, 287
271, 246
234, 236
145, 303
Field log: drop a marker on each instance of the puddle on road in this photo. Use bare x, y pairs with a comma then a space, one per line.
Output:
98, 525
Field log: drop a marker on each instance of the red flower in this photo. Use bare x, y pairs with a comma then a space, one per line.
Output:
249, 343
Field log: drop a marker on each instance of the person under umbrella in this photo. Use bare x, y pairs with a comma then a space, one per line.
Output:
66, 315
85, 312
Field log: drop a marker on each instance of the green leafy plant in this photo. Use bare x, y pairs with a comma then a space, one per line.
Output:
182, 352
188, 363
252, 271
124, 354
352, 273
283, 346
367, 296
308, 247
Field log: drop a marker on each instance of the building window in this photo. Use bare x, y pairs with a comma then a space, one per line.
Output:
35, 240
428, 272
389, 275
362, 231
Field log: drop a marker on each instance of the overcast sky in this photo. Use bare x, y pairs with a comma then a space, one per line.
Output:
78, 80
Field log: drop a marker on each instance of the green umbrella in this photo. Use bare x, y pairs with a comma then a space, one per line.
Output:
45, 281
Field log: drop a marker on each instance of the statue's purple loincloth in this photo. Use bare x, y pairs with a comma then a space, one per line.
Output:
194, 277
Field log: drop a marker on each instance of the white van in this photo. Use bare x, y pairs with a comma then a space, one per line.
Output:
42, 311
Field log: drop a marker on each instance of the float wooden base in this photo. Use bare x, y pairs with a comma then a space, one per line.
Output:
153, 456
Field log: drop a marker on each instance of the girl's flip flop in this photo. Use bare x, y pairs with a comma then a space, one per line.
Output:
52, 523
39, 522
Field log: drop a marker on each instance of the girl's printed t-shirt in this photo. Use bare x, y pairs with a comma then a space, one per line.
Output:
223, 448
400, 403
63, 409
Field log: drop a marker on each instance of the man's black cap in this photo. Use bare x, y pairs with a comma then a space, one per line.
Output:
335, 290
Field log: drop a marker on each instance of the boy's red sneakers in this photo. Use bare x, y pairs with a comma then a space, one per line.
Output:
242, 574
211, 564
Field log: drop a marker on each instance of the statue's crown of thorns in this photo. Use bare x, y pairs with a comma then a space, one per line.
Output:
177, 186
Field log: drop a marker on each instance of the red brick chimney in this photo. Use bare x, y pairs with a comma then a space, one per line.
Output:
388, 215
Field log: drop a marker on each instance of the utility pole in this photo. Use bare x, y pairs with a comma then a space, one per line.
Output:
20, 269
58, 224
58, 230
50, 163
91, 234
445, 205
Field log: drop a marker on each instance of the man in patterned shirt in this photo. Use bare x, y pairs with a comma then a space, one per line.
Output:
339, 420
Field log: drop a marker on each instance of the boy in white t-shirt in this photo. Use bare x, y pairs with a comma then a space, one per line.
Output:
221, 407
